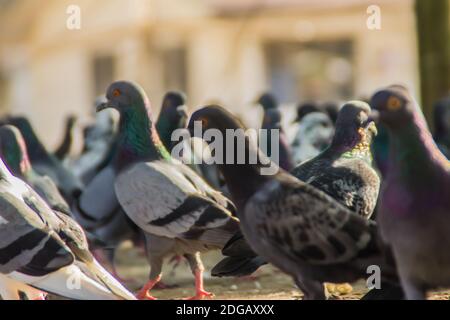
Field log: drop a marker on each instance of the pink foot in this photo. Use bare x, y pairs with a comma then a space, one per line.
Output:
200, 295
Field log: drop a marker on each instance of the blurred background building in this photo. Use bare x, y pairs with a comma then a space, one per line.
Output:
226, 51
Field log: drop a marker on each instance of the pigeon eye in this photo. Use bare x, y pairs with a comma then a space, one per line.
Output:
116, 93
393, 103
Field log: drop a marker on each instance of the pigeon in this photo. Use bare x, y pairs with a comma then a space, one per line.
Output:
305, 108
64, 149
105, 220
173, 115
45, 163
414, 202
441, 117
343, 171
177, 211
47, 250
272, 121
295, 226
15, 155
100, 141
314, 134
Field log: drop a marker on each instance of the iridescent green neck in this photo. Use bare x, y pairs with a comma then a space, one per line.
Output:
138, 138
360, 151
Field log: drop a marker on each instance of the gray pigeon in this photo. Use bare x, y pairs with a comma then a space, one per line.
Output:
414, 203
177, 211
48, 250
14, 152
296, 227
45, 163
343, 171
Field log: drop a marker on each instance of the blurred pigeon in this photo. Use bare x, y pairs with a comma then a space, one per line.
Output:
314, 134
298, 228
343, 171
178, 212
48, 250
45, 163
414, 202
441, 116
305, 108
173, 115
15, 155
64, 149
268, 101
100, 142
272, 121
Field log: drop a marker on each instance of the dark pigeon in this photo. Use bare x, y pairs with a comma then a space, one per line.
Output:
343, 171
298, 228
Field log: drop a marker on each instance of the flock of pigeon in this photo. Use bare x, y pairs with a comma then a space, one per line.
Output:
327, 214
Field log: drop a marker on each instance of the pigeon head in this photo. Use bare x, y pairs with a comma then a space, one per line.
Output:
267, 101
125, 97
355, 128
174, 107
394, 106
214, 117
13, 150
304, 109
272, 119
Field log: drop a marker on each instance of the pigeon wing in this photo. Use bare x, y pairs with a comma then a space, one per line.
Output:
162, 201
309, 225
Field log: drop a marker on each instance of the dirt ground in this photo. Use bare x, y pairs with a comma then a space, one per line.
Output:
267, 284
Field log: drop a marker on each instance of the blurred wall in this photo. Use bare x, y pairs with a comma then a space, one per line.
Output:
214, 50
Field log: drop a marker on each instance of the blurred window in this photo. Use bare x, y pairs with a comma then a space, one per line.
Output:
175, 69
103, 68
311, 70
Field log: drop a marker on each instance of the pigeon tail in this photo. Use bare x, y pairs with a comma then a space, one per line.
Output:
237, 266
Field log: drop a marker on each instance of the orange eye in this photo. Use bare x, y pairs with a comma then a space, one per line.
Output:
204, 122
116, 93
393, 103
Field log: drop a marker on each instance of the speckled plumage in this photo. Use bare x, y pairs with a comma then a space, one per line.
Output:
343, 171
295, 226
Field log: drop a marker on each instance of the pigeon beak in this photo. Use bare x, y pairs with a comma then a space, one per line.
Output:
371, 127
182, 111
105, 105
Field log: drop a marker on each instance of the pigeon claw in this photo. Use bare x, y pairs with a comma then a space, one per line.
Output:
201, 295
145, 296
